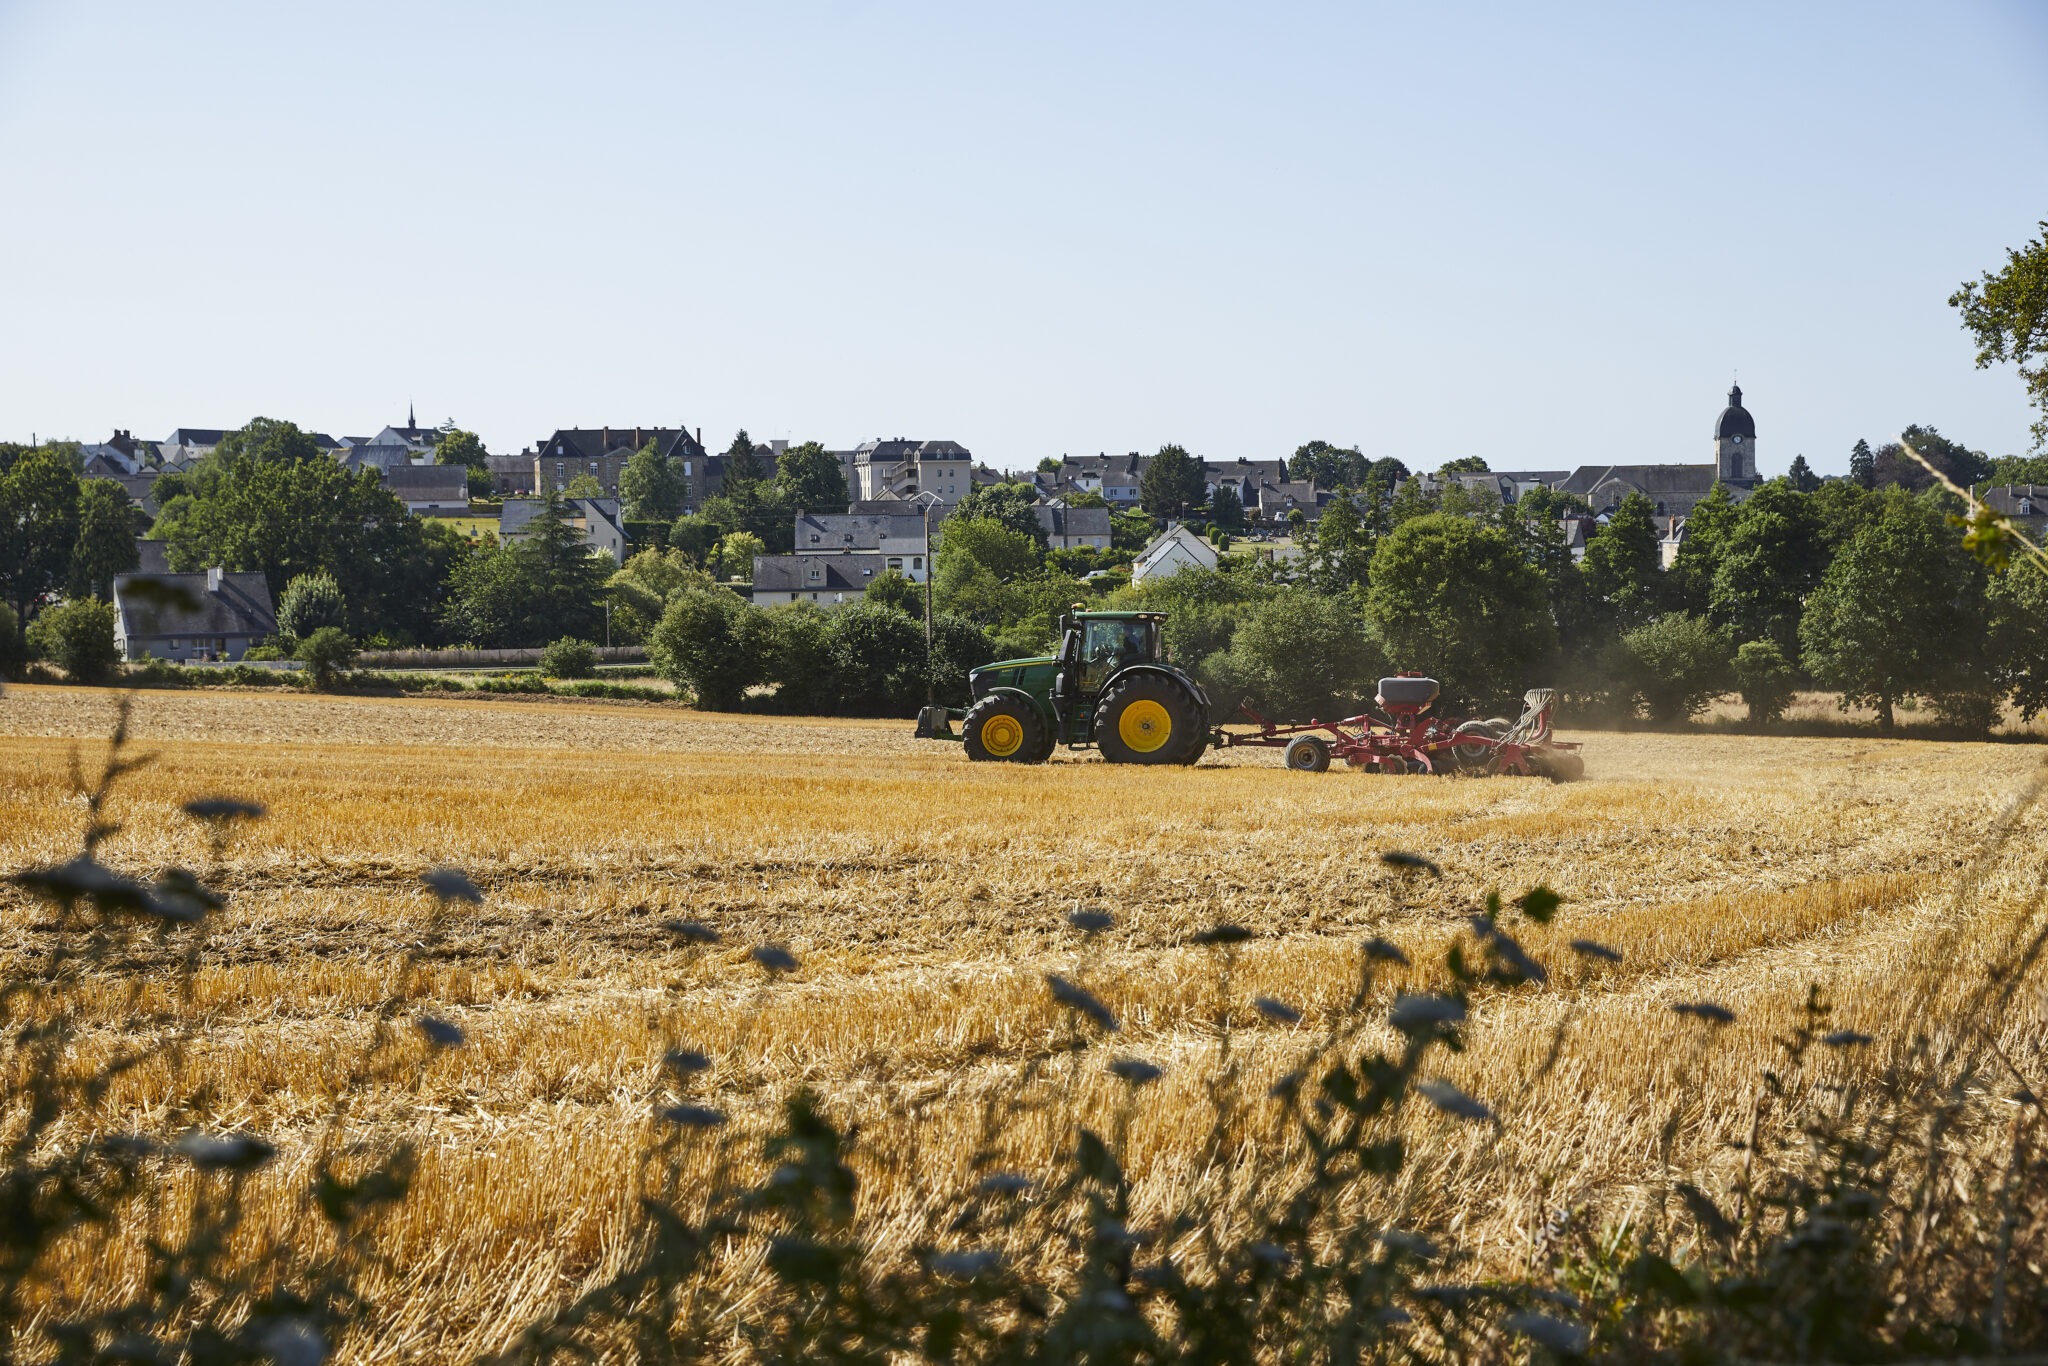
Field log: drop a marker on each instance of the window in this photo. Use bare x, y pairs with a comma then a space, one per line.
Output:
896, 562
2026, 507
917, 561
814, 540
814, 572
868, 573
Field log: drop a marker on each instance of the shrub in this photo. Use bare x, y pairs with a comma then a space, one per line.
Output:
1681, 665
569, 658
308, 603
714, 644
327, 654
78, 637
1765, 677
878, 658
958, 645
894, 588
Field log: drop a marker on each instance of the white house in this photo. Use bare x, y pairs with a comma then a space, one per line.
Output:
214, 614
1175, 549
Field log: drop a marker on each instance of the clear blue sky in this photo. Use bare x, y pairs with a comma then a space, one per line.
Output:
1545, 235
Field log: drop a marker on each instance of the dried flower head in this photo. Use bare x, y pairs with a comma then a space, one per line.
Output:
1844, 1038
1410, 1013
224, 809
1587, 948
691, 931
1081, 999
1134, 1071
224, 1152
440, 1033
1707, 1011
1224, 934
1386, 952
1090, 921
1410, 863
684, 1061
775, 958
452, 884
1452, 1101
1277, 1011
693, 1116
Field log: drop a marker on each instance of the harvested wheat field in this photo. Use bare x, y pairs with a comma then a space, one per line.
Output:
924, 900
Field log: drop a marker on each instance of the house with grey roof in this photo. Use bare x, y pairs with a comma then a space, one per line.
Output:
603, 452
1067, 528
898, 536
2025, 504
214, 614
429, 490
827, 580
599, 519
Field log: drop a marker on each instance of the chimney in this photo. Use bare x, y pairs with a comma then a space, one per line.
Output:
636, 438
213, 579
604, 439
700, 436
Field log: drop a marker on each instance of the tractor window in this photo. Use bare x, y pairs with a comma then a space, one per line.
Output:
1109, 645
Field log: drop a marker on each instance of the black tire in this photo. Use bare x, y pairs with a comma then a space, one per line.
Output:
1047, 743
1308, 754
1018, 736
1147, 719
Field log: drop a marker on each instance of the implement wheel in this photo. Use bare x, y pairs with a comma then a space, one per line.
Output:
1147, 719
1308, 754
1005, 730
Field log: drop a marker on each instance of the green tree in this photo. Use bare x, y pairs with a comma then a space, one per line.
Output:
1892, 465
1765, 678
1772, 558
957, 646
695, 535
1863, 464
261, 502
653, 487
1843, 507
1623, 568
1340, 556
308, 603
799, 659
1544, 501
1330, 467
457, 447
2007, 315
1410, 501
328, 653
812, 479
2018, 469
1226, 509
1013, 505
2017, 644
545, 585
1457, 601
892, 588
106, 540
991, 543
1899, 611
734, 558
713, 644
878, 657
77, 636
1464, 464
584, 486
1681, 664
1802, 476
14, 652
1689, 583
1173, 486
38, 528
1299, 655
742, 465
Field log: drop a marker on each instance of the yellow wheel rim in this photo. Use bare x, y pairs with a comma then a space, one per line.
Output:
1145, 725
1002, 735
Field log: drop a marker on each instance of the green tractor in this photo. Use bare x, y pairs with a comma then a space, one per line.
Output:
1109, 687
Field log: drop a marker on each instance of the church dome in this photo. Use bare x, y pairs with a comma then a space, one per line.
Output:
1735, 419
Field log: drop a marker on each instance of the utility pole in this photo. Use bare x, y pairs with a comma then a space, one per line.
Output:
927, 500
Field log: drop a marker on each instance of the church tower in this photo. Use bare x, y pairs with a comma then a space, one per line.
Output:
1735, 443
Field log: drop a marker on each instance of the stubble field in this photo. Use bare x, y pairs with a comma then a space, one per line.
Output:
925, 899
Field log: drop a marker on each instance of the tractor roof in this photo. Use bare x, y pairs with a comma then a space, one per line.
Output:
1120, 616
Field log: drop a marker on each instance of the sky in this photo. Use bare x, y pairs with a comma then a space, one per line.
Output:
1545, 235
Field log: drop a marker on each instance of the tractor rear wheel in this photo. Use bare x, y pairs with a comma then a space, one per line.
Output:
1307, 754
1005, 730
1147, 719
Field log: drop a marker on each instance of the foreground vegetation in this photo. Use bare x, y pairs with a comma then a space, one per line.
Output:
763, 1039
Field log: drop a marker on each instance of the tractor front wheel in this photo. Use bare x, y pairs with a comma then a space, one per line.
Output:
1146, 719
1005, 730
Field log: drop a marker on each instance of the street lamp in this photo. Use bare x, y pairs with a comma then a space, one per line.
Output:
926, 501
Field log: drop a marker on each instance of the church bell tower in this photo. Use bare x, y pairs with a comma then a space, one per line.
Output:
1735, 443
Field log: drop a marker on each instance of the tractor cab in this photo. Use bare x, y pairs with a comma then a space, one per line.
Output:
1109, 686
